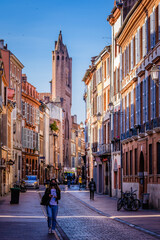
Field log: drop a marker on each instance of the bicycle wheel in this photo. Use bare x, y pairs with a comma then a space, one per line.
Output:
119, 204
136, 204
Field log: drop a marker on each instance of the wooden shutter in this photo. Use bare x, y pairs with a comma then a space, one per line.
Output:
134, 52
144, 100
152, 98
104, 101
148, 34
144, 38
147, 97
124, 115
129, 57
156, 24
132, 109
121, 67
4, 130
127, 113
121, 118
141, 44
137, 105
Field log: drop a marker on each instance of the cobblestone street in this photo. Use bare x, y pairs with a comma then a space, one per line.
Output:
80, 222
77, 218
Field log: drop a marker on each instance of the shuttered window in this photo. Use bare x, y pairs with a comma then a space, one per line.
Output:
132, 109
144, 39
141, 44
132, 55
120, 67
152, 29
144, 100
104, 101
156, 24
137, 105
148, 34
127, 123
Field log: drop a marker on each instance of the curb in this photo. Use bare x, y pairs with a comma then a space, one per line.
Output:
118, 219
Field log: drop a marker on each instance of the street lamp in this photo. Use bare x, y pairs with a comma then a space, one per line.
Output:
155, 74
110, 105
81, 125
99, 115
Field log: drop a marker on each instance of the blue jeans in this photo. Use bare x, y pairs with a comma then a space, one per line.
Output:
52, 211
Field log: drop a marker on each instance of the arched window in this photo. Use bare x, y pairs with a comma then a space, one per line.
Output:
62, 57
58, 57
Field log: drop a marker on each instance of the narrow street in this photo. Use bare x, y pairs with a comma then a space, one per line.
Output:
76, 220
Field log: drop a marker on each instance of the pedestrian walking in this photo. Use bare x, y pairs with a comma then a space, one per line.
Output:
54, 194
92, 188
80, 182
68, 183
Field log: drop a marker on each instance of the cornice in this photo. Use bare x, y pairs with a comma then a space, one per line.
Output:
16, 60
131, 22
30, 98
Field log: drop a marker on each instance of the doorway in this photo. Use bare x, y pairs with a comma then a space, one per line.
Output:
141, 174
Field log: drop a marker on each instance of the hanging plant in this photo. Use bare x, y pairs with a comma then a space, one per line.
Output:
53, 126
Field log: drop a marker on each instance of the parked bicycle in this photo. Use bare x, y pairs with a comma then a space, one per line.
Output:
129, 201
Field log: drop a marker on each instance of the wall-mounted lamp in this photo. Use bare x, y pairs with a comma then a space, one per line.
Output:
155, 74
110, 105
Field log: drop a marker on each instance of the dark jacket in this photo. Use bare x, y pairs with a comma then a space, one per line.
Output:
92, 186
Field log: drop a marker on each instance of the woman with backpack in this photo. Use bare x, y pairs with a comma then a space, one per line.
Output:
53, 195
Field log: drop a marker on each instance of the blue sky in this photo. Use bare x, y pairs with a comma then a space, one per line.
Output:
30, 28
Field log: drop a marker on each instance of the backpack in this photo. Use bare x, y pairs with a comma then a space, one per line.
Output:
45, 199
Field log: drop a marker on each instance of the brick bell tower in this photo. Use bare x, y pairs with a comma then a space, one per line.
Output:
61, 90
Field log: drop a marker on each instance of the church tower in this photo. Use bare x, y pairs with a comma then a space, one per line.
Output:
61, 90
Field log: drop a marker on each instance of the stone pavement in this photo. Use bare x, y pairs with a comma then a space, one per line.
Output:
145, 220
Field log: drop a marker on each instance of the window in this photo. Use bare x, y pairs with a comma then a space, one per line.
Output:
150, 158
73, 162
58, 57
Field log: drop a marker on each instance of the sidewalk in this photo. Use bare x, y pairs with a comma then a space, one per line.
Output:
145, 220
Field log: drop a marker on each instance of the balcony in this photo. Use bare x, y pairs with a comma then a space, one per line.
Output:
129, 136
156, 124
116, 146
134, 133
94, 147
104, 148
149, 127
142, 131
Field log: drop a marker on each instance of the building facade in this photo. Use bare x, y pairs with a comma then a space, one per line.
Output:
97, 97
138, 41
15, 83
30, 129
61, 89
6, 126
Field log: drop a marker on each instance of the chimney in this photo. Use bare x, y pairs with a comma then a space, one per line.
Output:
24, 78
1, 43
